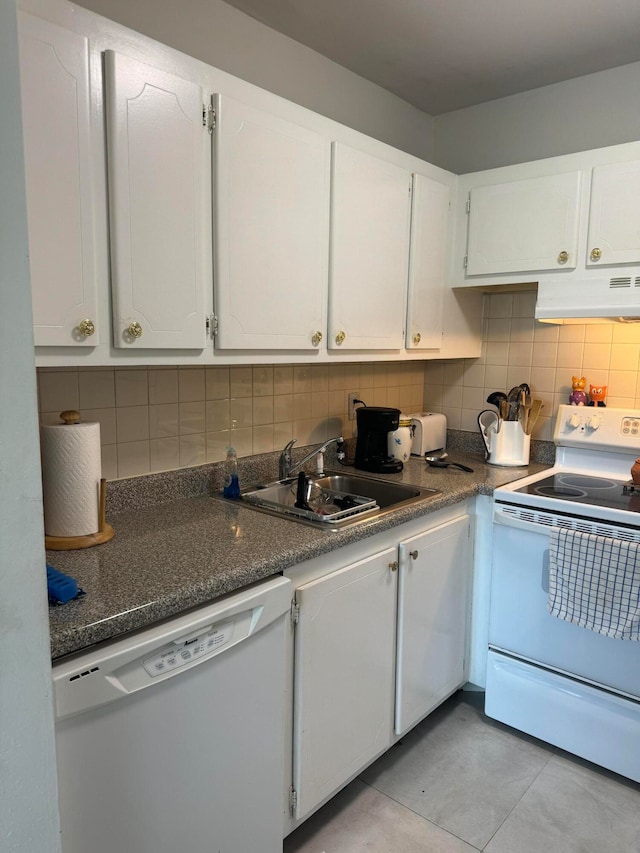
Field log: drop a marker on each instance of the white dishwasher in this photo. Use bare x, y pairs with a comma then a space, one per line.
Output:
171, 739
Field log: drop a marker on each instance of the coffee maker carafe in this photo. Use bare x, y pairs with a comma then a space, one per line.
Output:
374, 422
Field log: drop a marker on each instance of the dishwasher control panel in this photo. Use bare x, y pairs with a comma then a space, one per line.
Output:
184, 651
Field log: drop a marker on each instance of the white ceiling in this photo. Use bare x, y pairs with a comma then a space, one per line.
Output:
443, 55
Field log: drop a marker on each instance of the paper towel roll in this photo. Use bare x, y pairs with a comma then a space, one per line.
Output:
71, 472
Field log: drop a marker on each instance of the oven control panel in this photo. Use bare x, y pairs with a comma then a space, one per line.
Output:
617, 430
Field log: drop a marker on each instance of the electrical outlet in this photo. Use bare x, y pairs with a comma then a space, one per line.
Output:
352, 396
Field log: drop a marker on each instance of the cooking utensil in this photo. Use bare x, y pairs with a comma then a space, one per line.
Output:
534, 412
436, 457
495, 398
440, 463
513, 400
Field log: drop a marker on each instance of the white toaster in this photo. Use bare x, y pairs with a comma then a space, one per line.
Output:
430, 433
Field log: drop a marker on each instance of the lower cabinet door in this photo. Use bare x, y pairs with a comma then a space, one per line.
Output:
344, 675
432, 614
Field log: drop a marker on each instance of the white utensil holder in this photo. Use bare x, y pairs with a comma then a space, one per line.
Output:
509, 447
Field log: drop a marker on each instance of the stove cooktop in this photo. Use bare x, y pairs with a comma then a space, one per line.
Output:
592, 490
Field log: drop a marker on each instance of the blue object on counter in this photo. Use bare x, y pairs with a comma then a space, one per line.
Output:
61, 587
231, 483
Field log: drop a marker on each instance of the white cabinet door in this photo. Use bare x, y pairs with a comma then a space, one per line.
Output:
54, 72
432, 607
524, 225
343, 685
614, 215
271, 230
427, 258
369, 254
159, 195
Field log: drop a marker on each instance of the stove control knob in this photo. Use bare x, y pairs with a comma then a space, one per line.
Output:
594, 422
574, 421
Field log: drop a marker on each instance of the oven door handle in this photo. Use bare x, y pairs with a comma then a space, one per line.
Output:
503, 518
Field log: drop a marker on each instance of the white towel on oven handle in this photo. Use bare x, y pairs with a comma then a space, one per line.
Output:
594, 582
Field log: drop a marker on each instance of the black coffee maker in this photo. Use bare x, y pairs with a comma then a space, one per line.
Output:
374, 422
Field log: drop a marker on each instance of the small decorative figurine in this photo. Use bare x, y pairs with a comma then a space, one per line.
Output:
597, 393
578, 396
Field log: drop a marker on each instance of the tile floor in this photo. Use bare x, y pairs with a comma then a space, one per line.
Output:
461, 782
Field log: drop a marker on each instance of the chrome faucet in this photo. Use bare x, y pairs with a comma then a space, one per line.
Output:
287, 468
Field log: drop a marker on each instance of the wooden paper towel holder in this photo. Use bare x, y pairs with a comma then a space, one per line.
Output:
71, 543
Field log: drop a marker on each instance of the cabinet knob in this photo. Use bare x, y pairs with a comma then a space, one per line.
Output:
417, 338
340, 338
86, 328
317, 337
393, 566
134, 329
596, 254
563, 257
414, 554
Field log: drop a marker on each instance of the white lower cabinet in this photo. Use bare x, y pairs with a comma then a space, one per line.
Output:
343, 694
432, 616
379, 640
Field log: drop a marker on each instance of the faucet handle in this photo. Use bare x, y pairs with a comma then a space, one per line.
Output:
289, 445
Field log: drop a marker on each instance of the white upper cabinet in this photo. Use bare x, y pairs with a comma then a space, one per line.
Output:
54, 70
614, 218
427, 263
524, 225
369, 252
159, 200
271, 243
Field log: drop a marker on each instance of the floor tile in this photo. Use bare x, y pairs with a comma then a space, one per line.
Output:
362, 819
573, 807
460, 770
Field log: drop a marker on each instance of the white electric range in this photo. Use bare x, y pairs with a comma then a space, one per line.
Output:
568, 685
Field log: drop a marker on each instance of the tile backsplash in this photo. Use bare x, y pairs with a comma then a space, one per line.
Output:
160, 418
517, 348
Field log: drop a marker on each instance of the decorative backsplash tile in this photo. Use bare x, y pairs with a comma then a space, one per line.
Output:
517, 348
160, 418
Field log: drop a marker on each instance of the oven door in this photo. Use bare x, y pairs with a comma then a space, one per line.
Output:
521, 626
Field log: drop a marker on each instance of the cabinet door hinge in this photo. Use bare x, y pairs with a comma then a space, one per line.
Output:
295, 612
208, 117
466, 261
211, 323
293, 800
468, 205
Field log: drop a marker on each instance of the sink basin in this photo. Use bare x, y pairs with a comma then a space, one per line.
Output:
339, 499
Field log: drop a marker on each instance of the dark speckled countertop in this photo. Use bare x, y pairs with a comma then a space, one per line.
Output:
177, 547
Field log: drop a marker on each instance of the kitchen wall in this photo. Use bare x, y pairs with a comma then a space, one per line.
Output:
222, 36
516, 348
156, 419
587, 112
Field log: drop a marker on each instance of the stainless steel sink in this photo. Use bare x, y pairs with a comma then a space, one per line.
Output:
338, 499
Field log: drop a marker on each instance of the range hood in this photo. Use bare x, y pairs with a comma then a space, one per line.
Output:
590, 299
